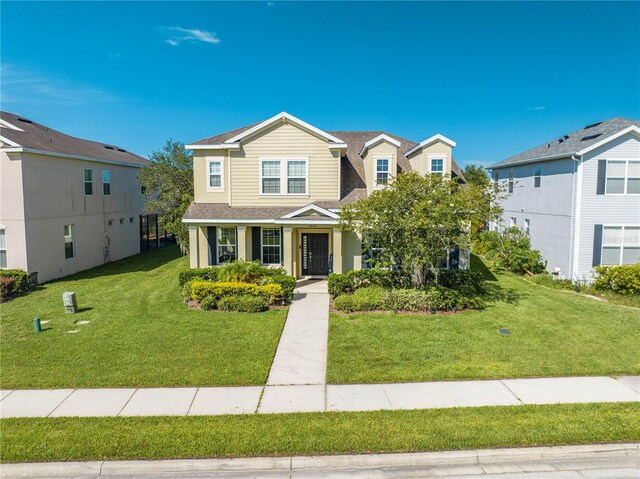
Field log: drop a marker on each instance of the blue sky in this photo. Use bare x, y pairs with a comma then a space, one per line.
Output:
496, 77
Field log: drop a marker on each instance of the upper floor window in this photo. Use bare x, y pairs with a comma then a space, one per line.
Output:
279, 177
623, 177
3, 249
214, 175
537, 176
106, 182
510, 184
382, 171
513, 222
437, 166
496, 177
88, 181
69, 242
226, 247
271, 245
620, 245
527, 226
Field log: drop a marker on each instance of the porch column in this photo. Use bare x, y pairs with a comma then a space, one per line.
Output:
357, 258
203, 247
193, 246
287, 250
241, 247
337, 250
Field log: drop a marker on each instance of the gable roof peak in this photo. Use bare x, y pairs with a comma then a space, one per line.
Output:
431, 140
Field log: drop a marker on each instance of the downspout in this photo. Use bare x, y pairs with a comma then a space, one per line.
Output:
575, 212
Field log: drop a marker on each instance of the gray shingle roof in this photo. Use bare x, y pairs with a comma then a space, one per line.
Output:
567, 145
222, 211
39, 137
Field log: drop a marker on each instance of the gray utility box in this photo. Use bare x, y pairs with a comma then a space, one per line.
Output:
69, 300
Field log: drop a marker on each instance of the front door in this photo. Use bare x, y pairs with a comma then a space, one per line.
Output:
315, 254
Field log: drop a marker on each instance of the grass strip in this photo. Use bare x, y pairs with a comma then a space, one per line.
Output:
83, 439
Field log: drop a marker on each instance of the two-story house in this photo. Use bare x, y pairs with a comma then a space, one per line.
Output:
67, 204
578, 197
272, 191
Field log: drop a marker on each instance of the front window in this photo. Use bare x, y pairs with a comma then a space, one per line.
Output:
623, 177
271, 177
88, 181
510, 181
537, 177
296, 177
620, 245
106, 182
382, 171
271, 245
215, 175
226, 245
3, 249
437, 166
372, 252
69, 242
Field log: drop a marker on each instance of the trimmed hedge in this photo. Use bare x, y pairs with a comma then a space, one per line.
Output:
7, 287
14, 283
209, 303
204, 274
623, 279
243, 303
203, 289
353, 280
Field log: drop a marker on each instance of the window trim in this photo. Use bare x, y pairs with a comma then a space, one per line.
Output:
284, 183
4, 234
510, 182
218, 245
621, 245
262, 245
73, 241
537, 176
626, 176
208, 175
106, 183
84, 181
527, 226
436, 158
513, 222
389, 159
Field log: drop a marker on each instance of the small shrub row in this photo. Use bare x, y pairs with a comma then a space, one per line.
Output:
204, 274
349, 282
13, 282
623, 279
434, 298
510, 249
243, 303
203, 289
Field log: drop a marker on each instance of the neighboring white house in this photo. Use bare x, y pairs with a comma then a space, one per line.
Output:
578, 196
66, 204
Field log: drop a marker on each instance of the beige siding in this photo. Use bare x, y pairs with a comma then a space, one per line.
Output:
351, 251
384, 149
282, 141
420, 159
203, 194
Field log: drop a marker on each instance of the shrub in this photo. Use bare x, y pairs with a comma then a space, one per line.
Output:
407, 300
441, 298
186, 290
202, 289
365, 299
243, 303
205, 274
286, 282
511, 250
353, 280
209, 303
623, 279
241, 271
22, 281
7, 287
272, 291
461, 280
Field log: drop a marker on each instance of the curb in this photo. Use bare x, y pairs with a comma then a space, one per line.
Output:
441, 464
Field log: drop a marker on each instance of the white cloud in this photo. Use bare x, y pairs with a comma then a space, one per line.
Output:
537, 108
193, 35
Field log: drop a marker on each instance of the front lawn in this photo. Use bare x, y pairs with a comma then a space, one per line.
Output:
87, 439
553, 333
140, 333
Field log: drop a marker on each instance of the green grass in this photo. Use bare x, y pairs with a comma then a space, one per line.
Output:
552, 334
140, 333
84, 439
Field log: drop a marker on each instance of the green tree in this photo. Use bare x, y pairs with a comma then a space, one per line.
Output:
476, 175
168, 181
417, 219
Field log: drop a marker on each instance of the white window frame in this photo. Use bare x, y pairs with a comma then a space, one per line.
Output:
3, 233
513, 222
537, 177
262, 245
284, 183
84, 181
73, 241
375, 170
209, 174
621, 245
218, 245
436, 158
108, 182
626, 176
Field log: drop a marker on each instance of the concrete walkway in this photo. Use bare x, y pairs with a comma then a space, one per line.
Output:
561, 462
315, 398
301, 357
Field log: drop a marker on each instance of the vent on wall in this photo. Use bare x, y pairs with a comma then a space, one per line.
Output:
590, 137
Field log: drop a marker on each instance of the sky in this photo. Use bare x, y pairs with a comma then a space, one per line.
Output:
496, 77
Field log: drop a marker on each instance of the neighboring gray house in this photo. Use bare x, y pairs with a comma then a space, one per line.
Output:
578, 196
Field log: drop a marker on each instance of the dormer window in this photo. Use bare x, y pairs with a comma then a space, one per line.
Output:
382, 171
437, 166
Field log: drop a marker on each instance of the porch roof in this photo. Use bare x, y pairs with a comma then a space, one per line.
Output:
212, 212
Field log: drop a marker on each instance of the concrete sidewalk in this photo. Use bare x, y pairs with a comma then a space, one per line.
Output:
567, 462
315, 398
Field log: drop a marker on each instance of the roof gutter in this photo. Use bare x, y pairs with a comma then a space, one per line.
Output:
72, 157
532, 160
